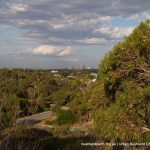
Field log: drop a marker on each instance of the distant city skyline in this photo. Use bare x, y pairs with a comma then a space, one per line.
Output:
46, 34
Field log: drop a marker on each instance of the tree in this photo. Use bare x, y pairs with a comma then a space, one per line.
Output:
124, 75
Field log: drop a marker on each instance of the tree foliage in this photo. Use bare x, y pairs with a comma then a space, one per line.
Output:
124, 76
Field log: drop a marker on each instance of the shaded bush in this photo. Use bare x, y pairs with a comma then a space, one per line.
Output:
65, 117
41, 140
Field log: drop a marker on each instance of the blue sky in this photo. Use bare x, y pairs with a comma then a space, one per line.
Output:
63, 33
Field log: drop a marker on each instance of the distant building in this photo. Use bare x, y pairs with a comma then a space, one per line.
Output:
71, 77
56, 75
54, 71
94, 75
89, 68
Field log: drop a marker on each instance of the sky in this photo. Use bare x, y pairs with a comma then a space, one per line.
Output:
46, 34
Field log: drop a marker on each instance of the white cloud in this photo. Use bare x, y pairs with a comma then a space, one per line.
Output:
116, 32
65, 51
69, 22
147, 14
105, 30
106, 18
93, 41
135, 17
52, 50
18, 8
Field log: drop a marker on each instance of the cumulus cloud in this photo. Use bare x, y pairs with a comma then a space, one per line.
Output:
93, 41
146, 14
116, 32
46, 21
71, 22
18, 8
135, 17
52, 50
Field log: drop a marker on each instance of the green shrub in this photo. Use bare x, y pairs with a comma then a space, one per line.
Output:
65, 117
61, 97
